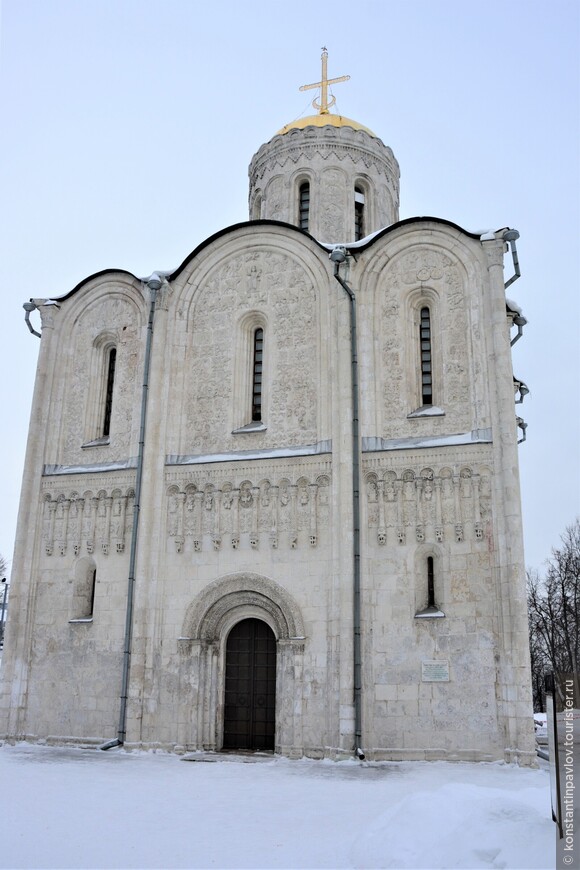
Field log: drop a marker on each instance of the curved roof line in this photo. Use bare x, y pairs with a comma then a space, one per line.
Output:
325, 246
232, 228
405, 222
90, 278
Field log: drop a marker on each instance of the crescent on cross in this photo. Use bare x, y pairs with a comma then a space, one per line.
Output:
324, 105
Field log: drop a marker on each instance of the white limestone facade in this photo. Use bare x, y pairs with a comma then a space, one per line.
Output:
252, 519
341, 164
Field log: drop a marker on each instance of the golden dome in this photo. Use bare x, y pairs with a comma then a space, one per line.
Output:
323, 120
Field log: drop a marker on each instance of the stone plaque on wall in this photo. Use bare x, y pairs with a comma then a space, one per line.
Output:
435, 671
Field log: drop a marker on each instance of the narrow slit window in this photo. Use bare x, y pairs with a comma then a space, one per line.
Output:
304, 205
426, 358
109, 393
91, 592
257, 376
359, 210
430, 582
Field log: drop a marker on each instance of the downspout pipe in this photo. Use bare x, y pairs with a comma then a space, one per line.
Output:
520, 321
338, 256
510, 236
153, 283
29, 307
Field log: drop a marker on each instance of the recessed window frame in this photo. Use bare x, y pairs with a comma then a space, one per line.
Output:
362, 216
429, 571
84, 589
359, 213
304, 202
418, 299
426, 357
104, 372
250, 376
257, 374
257, 206
109, 390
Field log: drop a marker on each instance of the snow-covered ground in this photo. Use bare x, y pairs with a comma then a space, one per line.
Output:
77, 808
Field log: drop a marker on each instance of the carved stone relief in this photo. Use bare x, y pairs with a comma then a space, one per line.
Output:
278, 287
442, 278
428, 504
77, 524
118, 316
332, 219
269, 513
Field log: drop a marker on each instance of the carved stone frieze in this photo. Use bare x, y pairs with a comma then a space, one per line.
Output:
336, 144
428, 504
275, 512
78, 523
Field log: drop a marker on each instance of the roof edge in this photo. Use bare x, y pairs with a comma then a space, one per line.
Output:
241, 225
324, 246
363, 245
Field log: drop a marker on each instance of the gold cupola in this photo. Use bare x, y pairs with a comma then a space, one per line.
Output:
325, 173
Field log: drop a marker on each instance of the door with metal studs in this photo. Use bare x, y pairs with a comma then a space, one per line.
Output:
250, 693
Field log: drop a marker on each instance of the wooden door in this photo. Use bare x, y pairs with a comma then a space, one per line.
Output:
250, 696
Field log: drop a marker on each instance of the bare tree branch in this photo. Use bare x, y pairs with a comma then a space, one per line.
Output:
554, 613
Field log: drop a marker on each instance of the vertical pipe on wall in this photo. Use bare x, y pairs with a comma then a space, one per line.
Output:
357, 652
154, 283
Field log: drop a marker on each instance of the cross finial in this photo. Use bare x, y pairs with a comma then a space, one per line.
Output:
324, 105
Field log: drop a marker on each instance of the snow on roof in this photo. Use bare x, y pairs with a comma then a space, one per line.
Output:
513, 306
428, 411
94, 468
267, 453
375, 444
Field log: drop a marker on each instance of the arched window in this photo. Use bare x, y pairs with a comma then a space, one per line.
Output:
250, 375
104, 374
304, 205
430, 582
112, 359
426, 357
359, 210
257, 207
258, 358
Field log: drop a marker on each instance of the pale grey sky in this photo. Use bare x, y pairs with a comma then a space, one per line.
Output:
128, 126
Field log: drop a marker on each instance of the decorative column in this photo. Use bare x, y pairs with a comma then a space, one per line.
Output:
457, 505
439, 534
274, 526
293, 517
313, 487
254, 538
50, 509
382, 531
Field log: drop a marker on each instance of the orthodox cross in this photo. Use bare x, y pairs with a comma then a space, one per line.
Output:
324, 105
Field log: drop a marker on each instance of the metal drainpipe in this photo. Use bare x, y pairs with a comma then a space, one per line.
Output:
356, 520
511, 236
29, 307
154, 283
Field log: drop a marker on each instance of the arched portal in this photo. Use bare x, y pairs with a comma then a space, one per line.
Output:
250, 686
210, 621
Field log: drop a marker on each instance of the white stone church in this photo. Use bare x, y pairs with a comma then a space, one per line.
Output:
271, 499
